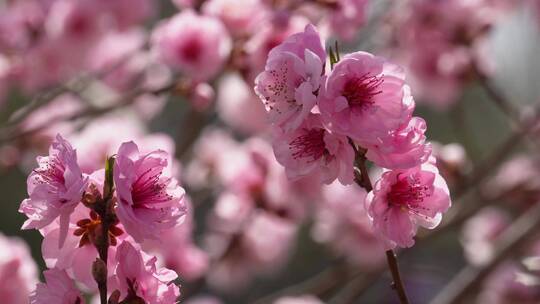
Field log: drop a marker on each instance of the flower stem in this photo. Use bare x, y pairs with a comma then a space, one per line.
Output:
104, 210
363, 180
397, 283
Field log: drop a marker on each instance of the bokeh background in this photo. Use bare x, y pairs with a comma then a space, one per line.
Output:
510, 49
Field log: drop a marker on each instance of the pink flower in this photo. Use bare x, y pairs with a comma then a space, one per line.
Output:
239, 16
291, 77
341, 222
128, 13
138, 277
503, 287
118, 56
201, 96
96, 143
452, 161
57, 109
311, 149
59, 289
79, 22
402, 200
269, 238
18, 271
179, 252
149, 201
204, 300
234, 99
365, 97
306, 299
269, 35
196, 45
518, 180
54, 188
480, 233
440, 41
348, 18
403, 148
79, 251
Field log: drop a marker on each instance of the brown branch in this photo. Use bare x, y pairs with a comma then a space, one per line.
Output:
363, 180
121, 102
318, 284
470, 278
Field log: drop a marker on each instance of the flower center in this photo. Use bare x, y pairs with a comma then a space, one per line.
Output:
89, 228
52, 173
360, 91
407, 193
191, 50
309, 145
150, 189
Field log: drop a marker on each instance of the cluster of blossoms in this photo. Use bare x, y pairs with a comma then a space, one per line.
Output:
325, 119
43, 43
95, 224
253, 224
444, 44
207, 42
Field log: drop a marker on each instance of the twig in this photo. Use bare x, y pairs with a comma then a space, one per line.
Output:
469, 279
355, 287
398, 283
78, 84
363, 180
318, 284
123, 101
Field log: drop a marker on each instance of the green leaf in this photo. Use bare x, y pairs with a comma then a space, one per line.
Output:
333, 54
109, 182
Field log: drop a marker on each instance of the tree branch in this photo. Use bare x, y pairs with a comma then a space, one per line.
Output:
469, 278
363, 180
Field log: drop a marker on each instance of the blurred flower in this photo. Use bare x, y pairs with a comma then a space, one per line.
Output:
127, 13
440, 42
502, 287
202, 96
203, 300
341, 221
49, 119
516, 179
452, 161
402, 200
76, 22
348, 17
196, 45
235, 98
58, 289
18, 271
270, 34
480, 233
307, 299
239, 16
118, 56
178, 252
95, 142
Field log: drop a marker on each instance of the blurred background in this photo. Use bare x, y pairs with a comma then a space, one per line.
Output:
104, 72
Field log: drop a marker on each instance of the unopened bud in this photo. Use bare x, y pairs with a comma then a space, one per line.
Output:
99, 271
114, 298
